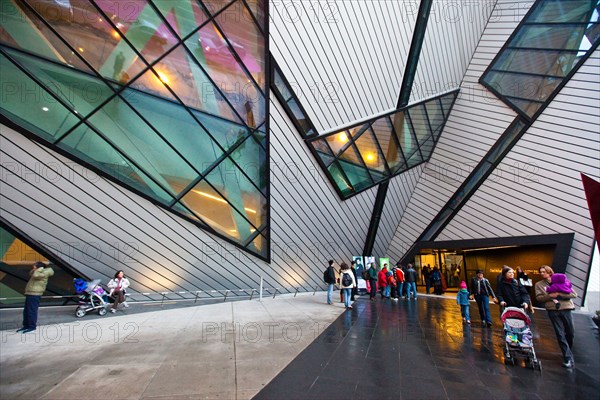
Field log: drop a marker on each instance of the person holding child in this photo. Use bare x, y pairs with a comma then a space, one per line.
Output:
462, 299
558, 304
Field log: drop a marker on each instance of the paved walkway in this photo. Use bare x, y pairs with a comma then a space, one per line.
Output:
421, 350
303, 347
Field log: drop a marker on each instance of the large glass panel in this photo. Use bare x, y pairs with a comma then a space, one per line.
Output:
427, 148
259, 245
338, 141
555, 26
351, 155
547, 37
435, 114
140, 143
565, 11
325, 158
404, 134
258, 9
153, 81
542, 62
371, 156
27, 104
215, 6
183, 15
320, 145
214, 55
382, 127
447, 102
358, 176
339, 179
211, 207
21, 28
87, 31
302, 119
17, 259
141, 25
82, 92
91, 148
418, 118
250, 157
281, 86
245, 38
181, 130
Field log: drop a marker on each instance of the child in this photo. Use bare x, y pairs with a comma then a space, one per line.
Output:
462, 299
559, 284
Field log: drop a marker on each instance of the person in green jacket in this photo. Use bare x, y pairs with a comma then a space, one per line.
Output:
38, 279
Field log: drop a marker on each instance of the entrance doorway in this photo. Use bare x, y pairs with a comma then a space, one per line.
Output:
451, 265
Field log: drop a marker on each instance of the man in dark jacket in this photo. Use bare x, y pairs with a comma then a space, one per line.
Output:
410, 279
481, 290
373, 281
330, 281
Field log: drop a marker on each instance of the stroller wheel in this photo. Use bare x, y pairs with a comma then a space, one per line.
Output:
102, 311
80, 312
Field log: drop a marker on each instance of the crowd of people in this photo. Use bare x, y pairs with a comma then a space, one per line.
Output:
553, 291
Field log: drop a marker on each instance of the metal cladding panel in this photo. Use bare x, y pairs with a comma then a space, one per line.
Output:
345, 59
453, 32
475, 123
398, 197
537, 188
310, 223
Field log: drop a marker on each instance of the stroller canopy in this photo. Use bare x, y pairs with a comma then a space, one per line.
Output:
515, 313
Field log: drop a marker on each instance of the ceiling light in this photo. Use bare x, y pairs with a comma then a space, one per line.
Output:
342, 137
45, 109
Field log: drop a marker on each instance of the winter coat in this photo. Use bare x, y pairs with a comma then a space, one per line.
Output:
462, 297
399, 275
512, 293
330, 275
114, 282
382, 278
484, 285
38, 280
544, 298
410, 275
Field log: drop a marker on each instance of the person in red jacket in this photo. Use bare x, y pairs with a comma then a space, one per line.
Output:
382, 282
400, 279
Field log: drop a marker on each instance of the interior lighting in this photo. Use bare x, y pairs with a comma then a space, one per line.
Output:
45, 109
164, 78
370, 157
80, 49
220, 200
342, 137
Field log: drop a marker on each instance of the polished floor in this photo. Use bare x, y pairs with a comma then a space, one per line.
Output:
422, 350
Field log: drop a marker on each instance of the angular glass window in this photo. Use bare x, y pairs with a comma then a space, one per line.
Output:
369, 151
339, 141
382, 127
548, 44
42, 114
357, 175
339, 179
84, 143
184, 16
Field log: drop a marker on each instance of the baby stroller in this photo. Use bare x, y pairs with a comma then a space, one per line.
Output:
92, 297
518, 338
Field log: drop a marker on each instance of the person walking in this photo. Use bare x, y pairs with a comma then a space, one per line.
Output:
117, 287
382, 282
410, 278
510, 292
354, 289
426, 278
462, 299
561, 318
481, 291
329, 278
347, 283
36, 286
436, 280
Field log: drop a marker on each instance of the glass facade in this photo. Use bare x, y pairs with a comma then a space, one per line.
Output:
362, 156
165, 97
546, 47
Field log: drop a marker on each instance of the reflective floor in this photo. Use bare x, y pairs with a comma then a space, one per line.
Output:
421, 350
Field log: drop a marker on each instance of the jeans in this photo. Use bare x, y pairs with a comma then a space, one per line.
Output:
562, 322
373, 283
347, 294
330, 293
464, 311
411, 287
400, 287
386, 291
427, 285
483, 303
30, 311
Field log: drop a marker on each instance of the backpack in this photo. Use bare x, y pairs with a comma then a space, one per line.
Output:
365, 275
346, 279
326, 275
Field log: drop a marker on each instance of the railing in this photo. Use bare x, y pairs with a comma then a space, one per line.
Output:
194, 295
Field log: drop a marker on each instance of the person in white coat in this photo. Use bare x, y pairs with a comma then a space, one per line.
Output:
117, 287
347, 283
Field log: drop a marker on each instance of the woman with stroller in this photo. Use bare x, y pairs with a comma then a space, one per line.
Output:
510, 292
117, 287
